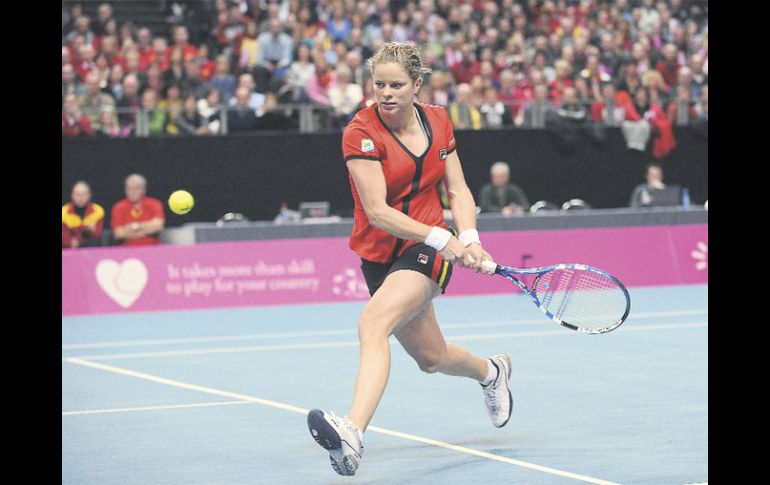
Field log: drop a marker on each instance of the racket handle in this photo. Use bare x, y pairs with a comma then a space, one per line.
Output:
489, 266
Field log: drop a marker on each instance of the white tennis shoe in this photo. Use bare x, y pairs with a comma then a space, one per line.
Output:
339, 436
497, 395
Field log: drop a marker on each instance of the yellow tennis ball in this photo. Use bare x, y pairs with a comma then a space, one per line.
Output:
181, 202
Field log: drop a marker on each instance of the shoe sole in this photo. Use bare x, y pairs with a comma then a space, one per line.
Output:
327, 437
510, 396
322, 432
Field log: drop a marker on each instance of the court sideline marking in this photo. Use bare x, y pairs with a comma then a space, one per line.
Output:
346, 331
353, 343
153, 408
376, 429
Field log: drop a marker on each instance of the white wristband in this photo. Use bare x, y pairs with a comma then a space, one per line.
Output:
469, 236
438, 238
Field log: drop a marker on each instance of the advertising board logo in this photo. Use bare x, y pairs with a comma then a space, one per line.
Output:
123, 282
348, 283
701, 256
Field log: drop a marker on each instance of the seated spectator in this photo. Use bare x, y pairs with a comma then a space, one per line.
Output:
242, 117
192, 82
81, 219
653, 82
176, 71
93, 99
611, 110
299, 74
360, 75
69, 82
129, 103
642, 195
570, 108
681, 111
190, 122
181, 42
223, 81
500, 195
154, 118
138, 219
209, 109
256, 100
535, 113
563, 79
109, 126
273, 55
345, 96
207, 66
466, 66
73, 122
669, 66
115, 83
494, 113
275, 118
158, 54
172, 105
462, 112
85, 63
249, 47
440, 88
321, 81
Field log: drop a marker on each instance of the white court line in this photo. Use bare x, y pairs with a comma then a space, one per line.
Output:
153, 408
375, 429
700, 483
354, 343
347, 331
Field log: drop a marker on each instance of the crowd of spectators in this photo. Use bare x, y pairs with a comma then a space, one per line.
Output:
495, 63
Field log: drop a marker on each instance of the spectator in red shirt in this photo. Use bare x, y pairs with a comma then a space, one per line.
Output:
144, 41
73, 122
466, 67
85, 64
669, 66
138, 219
158, 54
207, 66
109, 48
181, 41
81, 219
563, 79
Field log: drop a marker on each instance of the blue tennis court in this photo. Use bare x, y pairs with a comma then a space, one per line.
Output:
218, 397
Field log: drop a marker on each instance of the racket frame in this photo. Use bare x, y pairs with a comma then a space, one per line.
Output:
507, 272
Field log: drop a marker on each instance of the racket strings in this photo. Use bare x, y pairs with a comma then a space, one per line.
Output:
580, 297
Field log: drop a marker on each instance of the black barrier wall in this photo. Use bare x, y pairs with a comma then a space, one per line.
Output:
253, 173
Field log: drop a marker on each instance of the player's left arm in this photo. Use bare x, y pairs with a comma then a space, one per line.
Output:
463, 208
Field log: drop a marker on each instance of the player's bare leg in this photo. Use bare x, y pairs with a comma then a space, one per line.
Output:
403, 295
423, 340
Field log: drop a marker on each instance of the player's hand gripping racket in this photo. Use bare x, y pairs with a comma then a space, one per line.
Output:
577, 296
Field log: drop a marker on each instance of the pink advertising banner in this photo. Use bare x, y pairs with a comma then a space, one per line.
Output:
294, 271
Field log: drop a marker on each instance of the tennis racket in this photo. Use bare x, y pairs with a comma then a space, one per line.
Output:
577, 296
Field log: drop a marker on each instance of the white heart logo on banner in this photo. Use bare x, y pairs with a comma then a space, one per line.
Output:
123, 282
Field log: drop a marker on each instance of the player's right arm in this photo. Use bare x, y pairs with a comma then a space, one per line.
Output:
372, 190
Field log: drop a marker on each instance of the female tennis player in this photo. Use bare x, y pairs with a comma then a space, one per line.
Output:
397, 153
